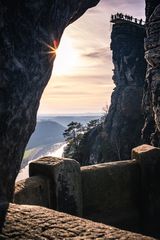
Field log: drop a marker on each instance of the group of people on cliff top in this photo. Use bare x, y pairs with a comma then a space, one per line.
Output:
126, 17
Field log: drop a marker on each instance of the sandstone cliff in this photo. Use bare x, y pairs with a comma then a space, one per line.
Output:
151, 100
150, 7
125, 118
124, 121
30, 33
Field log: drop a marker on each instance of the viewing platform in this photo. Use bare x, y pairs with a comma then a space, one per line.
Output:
122, 18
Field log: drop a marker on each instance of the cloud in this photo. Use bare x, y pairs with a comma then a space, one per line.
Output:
135, 8
96, 53
98, 78
101, 57
121, 2
95, 10
69, 93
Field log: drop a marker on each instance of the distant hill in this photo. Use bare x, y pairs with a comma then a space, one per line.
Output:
65, 120
46, 132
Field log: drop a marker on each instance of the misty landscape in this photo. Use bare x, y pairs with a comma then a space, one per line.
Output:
48, 137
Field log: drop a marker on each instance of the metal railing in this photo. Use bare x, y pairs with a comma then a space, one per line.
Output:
125, 17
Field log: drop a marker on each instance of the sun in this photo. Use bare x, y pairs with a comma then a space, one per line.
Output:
66, 58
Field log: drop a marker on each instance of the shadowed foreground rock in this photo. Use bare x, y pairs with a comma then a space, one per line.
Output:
29, 222
30, 34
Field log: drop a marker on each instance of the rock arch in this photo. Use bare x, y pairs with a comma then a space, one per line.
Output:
27, 28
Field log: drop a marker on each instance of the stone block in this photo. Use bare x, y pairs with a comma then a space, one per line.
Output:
32, 191
111, 193
148, 158
146, 153
65, 182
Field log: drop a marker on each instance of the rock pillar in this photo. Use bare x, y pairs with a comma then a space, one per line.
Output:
123, 124
65, 183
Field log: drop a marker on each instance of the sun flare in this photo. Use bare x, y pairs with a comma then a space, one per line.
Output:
66, 58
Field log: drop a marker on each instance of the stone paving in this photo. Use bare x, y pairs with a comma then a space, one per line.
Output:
26, 222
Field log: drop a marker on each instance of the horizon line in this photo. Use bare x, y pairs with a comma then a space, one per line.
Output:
69, 114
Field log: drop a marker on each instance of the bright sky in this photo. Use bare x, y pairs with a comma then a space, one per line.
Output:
81, 80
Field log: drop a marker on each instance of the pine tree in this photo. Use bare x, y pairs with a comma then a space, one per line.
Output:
73, 135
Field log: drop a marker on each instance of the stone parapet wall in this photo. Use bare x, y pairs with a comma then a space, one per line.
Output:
148, 159
124, 194
111, 193
33, 191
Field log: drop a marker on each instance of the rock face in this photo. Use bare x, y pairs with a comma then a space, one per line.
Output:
151, 100
122, 128
125, 118
30, 222
150, 6
30, 33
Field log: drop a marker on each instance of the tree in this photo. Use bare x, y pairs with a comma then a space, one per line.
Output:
92, 124
73, 135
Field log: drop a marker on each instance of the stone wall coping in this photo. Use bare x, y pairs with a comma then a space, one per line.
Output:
146, 154
109, 165
51, 160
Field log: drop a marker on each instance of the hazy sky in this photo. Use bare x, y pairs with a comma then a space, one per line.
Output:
81, 80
